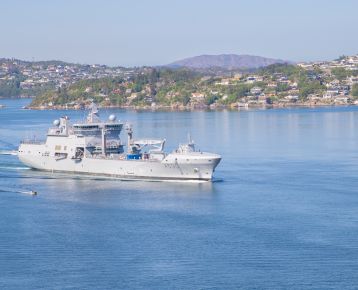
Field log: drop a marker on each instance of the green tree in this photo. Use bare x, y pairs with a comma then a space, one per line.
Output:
282, 87
211, 100
340, 73
355, 90
341, 57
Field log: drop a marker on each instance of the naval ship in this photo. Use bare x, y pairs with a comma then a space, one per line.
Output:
94, 147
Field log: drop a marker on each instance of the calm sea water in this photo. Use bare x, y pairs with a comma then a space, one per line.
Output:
282, 213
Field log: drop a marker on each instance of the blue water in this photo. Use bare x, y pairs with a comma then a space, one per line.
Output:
282, 213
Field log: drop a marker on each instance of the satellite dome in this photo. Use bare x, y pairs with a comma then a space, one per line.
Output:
56, 123
112, 117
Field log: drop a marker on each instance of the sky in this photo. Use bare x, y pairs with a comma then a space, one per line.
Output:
157, 32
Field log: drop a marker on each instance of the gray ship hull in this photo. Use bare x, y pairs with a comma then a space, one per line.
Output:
189, 166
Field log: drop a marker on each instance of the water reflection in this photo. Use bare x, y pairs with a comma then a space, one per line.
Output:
98, 191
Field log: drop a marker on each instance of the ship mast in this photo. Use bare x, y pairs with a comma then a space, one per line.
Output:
104, 141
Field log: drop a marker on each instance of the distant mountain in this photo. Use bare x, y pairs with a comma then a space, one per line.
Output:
227, 61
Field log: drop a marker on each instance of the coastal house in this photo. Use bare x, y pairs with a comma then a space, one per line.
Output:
293, 92
254, 78
305, 65
342, 100
256, 90
330, 93
352, 59
352, 80
314, 97
149, 99
132, 97
117, 91
333, 84
293, 85
223, 82
197, 97
344, 90
334, 91
291, 98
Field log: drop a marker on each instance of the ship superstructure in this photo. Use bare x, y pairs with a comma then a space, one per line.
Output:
95, 147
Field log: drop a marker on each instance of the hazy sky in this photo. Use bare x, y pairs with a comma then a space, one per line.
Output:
158, 32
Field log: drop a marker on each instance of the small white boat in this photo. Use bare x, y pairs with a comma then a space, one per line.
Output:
8, 152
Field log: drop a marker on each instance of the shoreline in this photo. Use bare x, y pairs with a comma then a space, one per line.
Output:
197, 108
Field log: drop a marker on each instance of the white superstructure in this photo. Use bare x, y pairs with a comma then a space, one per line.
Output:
94, 147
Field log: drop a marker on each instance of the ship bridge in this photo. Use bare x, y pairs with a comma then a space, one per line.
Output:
87, 129
94, 127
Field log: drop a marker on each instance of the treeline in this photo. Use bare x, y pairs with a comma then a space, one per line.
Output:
150, 85
11, 88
